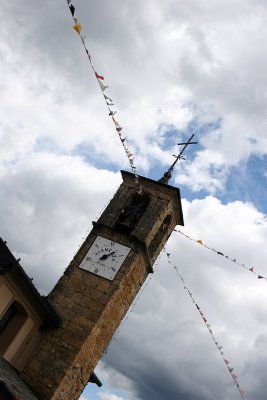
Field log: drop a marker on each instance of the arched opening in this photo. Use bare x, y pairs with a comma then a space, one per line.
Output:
10, 324
130, 216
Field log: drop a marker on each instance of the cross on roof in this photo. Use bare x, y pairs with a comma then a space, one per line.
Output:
168, 173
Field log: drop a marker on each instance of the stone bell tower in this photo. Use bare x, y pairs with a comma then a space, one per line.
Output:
100, 284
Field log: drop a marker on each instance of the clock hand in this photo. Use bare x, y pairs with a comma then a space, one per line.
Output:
105, 256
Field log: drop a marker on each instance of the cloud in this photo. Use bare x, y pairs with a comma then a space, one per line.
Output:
109, 396
46, 192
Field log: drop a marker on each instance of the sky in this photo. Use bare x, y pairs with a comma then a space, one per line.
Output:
173, 69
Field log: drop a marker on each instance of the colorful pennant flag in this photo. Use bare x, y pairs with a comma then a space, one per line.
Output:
77, 27
102, 86
72, 9
99, 77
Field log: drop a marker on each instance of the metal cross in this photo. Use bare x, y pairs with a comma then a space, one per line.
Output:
180, 157
167, 174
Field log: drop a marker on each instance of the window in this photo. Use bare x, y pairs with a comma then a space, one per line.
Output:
131, 215
10, 324
7, 317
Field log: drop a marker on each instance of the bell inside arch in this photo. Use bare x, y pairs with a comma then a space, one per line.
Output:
131, 214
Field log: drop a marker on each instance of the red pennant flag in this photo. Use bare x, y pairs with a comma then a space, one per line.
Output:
234, 377
119, 129
226, 361
251, 269
242, 392
129, 155
99, 76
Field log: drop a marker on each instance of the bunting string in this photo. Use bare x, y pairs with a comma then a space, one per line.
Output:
234, 260
109, 102
219, 347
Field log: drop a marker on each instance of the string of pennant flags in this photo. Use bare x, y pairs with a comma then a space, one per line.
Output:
109, 102
219, 347
234, 260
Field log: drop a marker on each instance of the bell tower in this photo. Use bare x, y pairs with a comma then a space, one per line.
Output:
100, 284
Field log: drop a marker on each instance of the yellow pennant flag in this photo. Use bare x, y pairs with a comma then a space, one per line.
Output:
77, 27
199, 241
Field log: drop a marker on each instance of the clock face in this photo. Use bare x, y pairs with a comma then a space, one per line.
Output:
105, 257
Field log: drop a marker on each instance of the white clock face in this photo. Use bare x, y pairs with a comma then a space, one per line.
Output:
105, 257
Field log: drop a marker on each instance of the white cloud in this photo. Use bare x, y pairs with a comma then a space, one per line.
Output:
109, 396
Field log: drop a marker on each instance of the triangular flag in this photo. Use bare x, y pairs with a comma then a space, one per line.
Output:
108, 98
199, 241
234, 260
234, 377
197, 307
112, 112
242, 392
76, 20
115, 122
119, 129
204, 319
260, 277
231, 369
226, 361
77, 28
220, 254
220, 347
123, 139
72, 9
99, 76
129, 155
103, 87
251, 269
